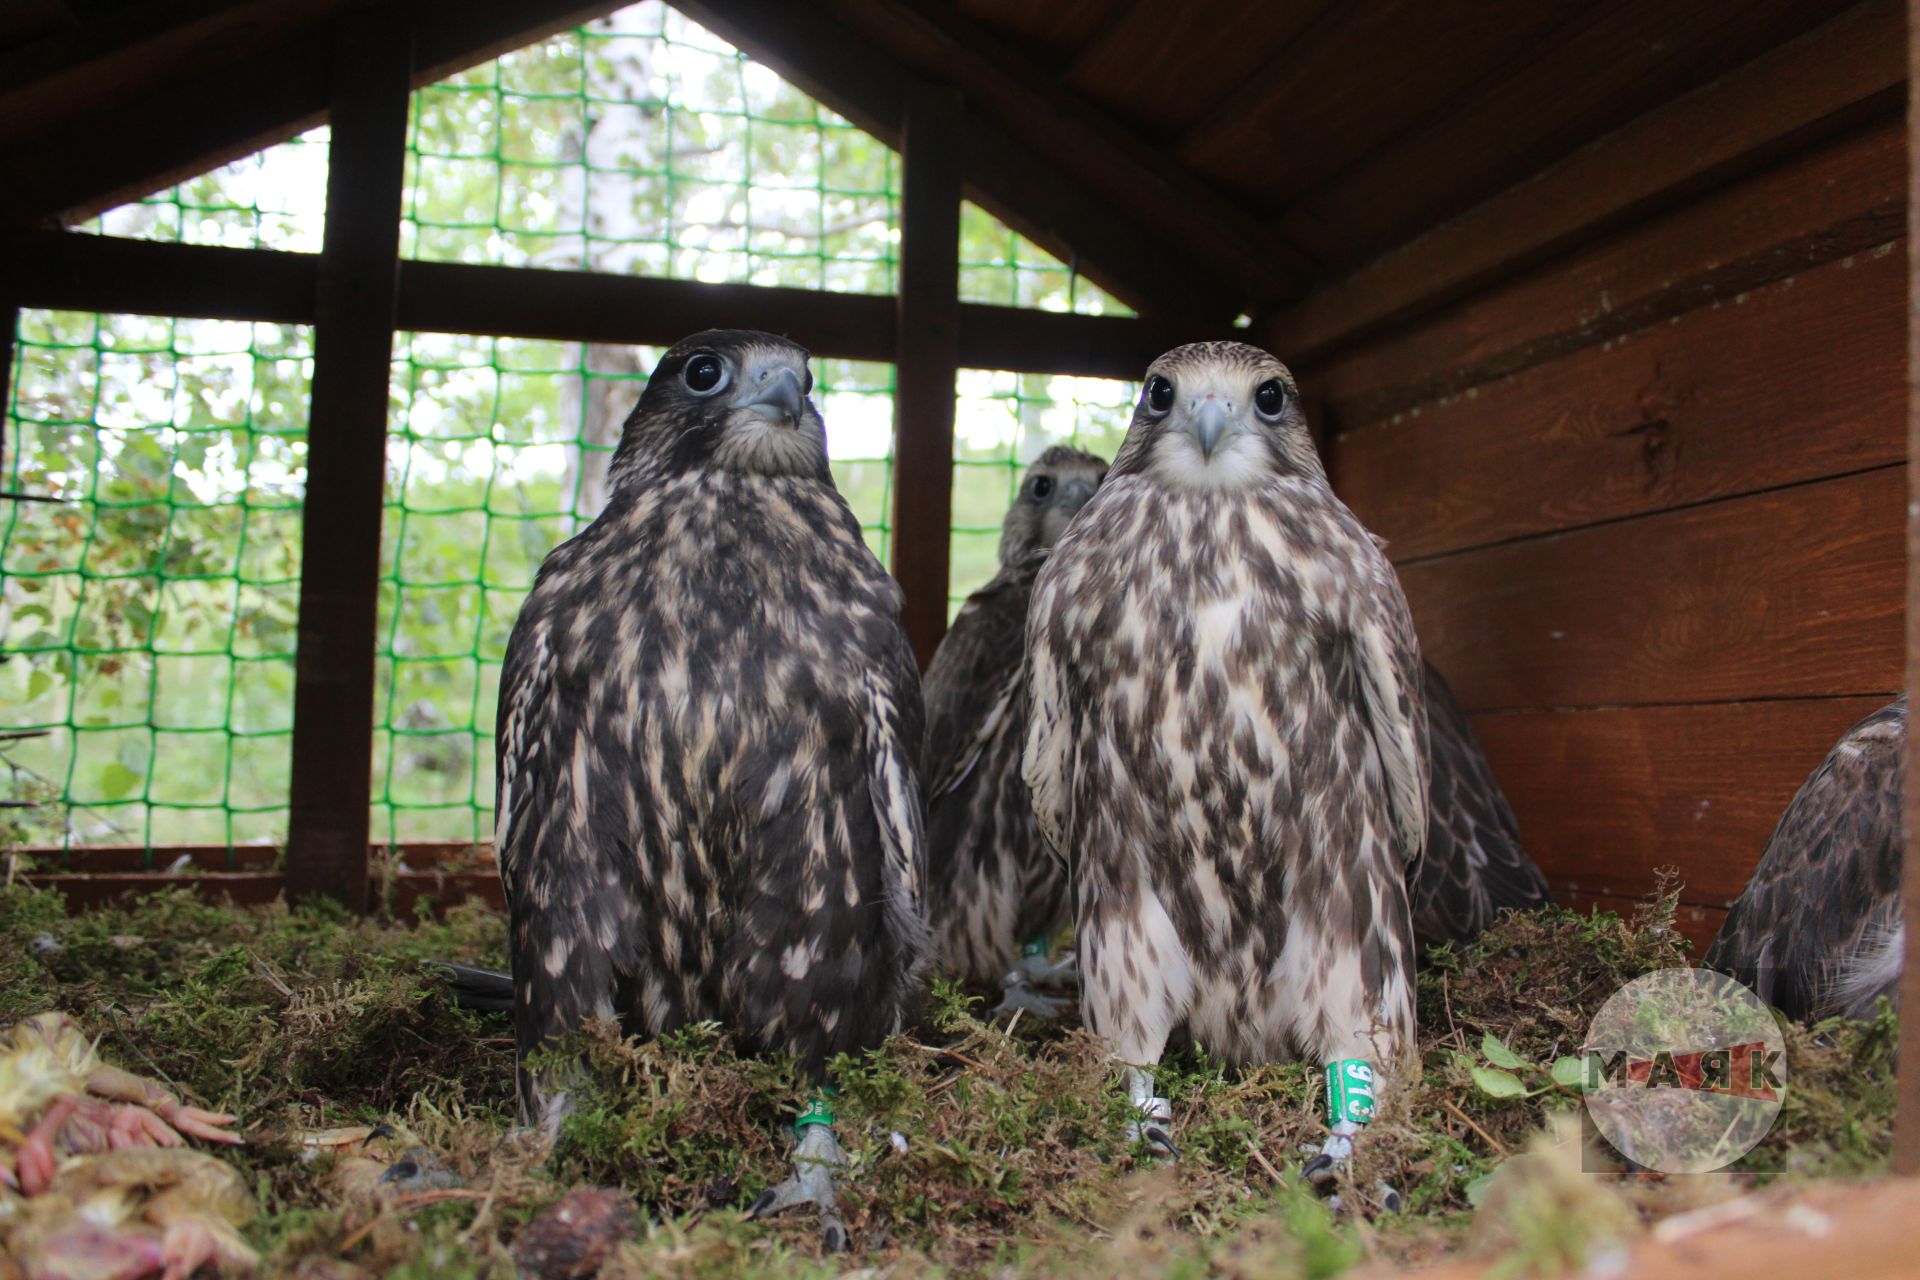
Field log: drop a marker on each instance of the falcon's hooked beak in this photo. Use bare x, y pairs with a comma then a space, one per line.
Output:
773, 391
1209, 422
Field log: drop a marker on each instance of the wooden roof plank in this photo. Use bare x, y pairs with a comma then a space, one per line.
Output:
1845, 71
200, 116
1353, 80
1135, 177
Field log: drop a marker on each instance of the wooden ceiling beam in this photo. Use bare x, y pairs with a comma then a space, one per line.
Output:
1842, 73
1146, 181
69, 271
204, 113
806, 43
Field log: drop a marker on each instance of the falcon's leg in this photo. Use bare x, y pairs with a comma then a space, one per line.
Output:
1360, 1031
1133, 1006
816, 1157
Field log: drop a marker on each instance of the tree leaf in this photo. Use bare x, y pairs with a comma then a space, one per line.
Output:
1571, 1073
1477, 1189
1498, 1084
117, 782
1498, 1054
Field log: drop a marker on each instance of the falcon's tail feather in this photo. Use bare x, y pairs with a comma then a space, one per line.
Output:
487, 990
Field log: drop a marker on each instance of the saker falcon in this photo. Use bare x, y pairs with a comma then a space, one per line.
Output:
1817, 931
992, 884
1228, 743
709, 749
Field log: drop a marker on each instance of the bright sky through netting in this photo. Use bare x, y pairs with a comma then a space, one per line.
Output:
148, 620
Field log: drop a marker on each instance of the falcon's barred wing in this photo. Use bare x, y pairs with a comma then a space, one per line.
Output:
1474, 866
523, 774
1813, 927
973, 683
894, 731
1047, 765
1388, 658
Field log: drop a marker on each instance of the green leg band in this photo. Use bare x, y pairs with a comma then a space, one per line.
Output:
1349, 1092
817, 1111
1034, 947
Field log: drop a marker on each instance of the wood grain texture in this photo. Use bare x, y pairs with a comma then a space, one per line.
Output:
1792, 593
1906, 1134
354, 298
265, 86
1839, 199
1798, 381
928, 360
1160, 67
1350, 82
1607, 797
1838, 74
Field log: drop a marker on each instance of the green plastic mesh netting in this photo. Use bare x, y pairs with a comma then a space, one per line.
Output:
147, 618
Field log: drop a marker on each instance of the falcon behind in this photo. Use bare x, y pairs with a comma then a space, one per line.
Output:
709, 748
1474, 867
1817, 930
992, 885
1228, 742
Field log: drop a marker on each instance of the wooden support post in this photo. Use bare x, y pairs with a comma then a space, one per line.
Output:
1906, 1129
355, 294
927, 358
9, 325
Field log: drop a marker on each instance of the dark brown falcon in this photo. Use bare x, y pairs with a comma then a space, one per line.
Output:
1817, 931
709, 745
1474, 867
992, 885
1229, 738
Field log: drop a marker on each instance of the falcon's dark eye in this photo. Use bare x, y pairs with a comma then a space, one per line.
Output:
1043, 486
1159, 394
1270, 398
704, 374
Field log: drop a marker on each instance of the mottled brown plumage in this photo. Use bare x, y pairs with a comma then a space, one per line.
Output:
1474, 866
991, 882
709, 741
1817, 931
1228, 735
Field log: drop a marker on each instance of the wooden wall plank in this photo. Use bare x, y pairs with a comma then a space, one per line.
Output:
1836, 200
1607, 797
1791, 593
1906, 1134
928, 361
1841, 73
346, 460
1798, 381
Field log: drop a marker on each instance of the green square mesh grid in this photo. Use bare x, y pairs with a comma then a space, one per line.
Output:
148, 620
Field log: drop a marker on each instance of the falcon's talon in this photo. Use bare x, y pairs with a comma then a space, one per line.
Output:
816, 1156
1334, 1152
1020, 996
1038, 971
